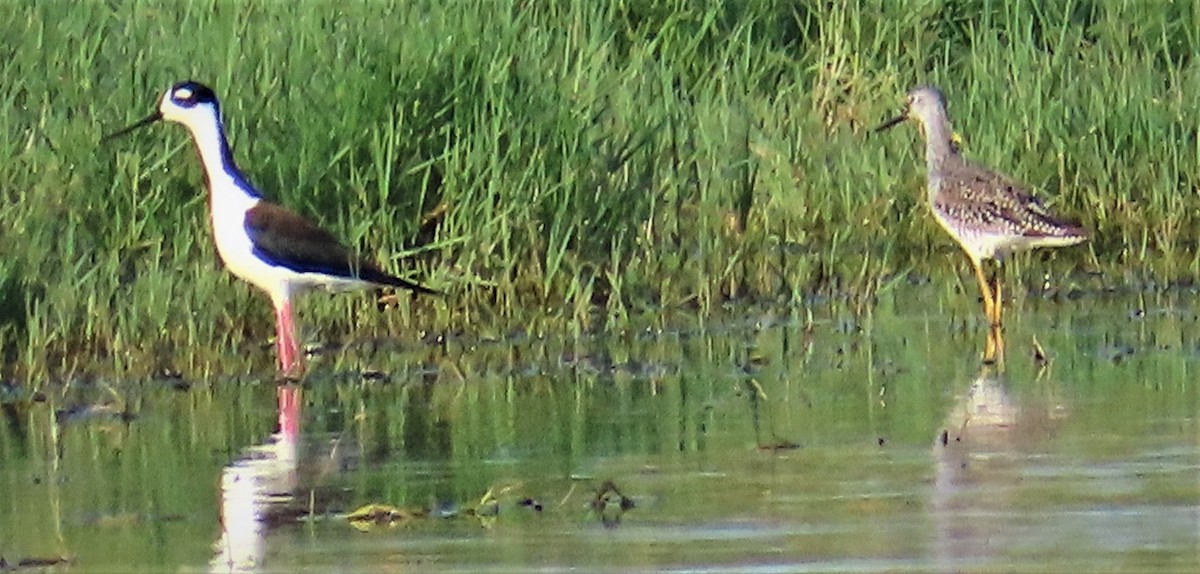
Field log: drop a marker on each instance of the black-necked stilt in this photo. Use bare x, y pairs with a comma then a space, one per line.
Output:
273, 248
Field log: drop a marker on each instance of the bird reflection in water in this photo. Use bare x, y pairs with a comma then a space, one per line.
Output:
987, 443
258, 490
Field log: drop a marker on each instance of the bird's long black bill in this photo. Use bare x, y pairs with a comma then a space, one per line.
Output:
891, 123
154, 117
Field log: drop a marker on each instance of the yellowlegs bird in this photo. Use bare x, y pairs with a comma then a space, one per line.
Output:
988, 213
271, 247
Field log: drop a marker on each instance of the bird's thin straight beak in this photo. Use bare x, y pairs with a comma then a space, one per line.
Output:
154, 117
892, 122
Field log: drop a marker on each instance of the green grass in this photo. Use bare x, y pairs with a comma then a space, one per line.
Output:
591, 161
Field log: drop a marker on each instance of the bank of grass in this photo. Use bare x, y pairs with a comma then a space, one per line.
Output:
563, 165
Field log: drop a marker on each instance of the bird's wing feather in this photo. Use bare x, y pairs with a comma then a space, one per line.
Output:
995, 203
285, 238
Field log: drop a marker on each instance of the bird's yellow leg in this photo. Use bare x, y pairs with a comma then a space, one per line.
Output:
986, 290
998, 303
993, 351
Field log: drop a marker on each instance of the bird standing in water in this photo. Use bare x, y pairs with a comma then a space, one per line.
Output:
271, 247
988, 213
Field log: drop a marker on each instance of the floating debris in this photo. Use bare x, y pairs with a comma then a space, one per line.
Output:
779, 446
368, 517
487, 509
610, 505
530, 504
33, 562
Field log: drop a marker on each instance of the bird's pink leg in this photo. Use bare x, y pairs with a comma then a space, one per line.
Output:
288, 399
291, 361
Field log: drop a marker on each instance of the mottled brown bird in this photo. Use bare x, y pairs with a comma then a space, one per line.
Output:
989, 214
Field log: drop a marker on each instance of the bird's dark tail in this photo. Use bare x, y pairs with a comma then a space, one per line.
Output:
393, 281
387, 280
370, 272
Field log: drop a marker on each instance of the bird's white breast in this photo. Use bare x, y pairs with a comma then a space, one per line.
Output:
228, 208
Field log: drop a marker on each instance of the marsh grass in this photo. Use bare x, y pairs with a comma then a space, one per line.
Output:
564, 166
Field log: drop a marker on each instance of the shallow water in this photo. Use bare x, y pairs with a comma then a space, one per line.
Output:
759, 443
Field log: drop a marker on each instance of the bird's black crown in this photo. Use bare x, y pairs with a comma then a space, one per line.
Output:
189, 93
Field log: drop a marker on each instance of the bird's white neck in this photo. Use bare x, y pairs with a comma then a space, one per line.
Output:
225, 180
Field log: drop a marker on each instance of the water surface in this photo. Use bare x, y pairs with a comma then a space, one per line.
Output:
761, 442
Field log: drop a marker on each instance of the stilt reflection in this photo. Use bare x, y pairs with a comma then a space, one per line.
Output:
258, 489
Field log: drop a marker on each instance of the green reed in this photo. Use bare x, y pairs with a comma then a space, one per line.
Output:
563, 166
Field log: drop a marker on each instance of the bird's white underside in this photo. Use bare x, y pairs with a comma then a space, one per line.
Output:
982, 245
229, 205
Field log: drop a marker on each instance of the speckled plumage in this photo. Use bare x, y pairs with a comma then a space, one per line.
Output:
987, 213
990, 215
